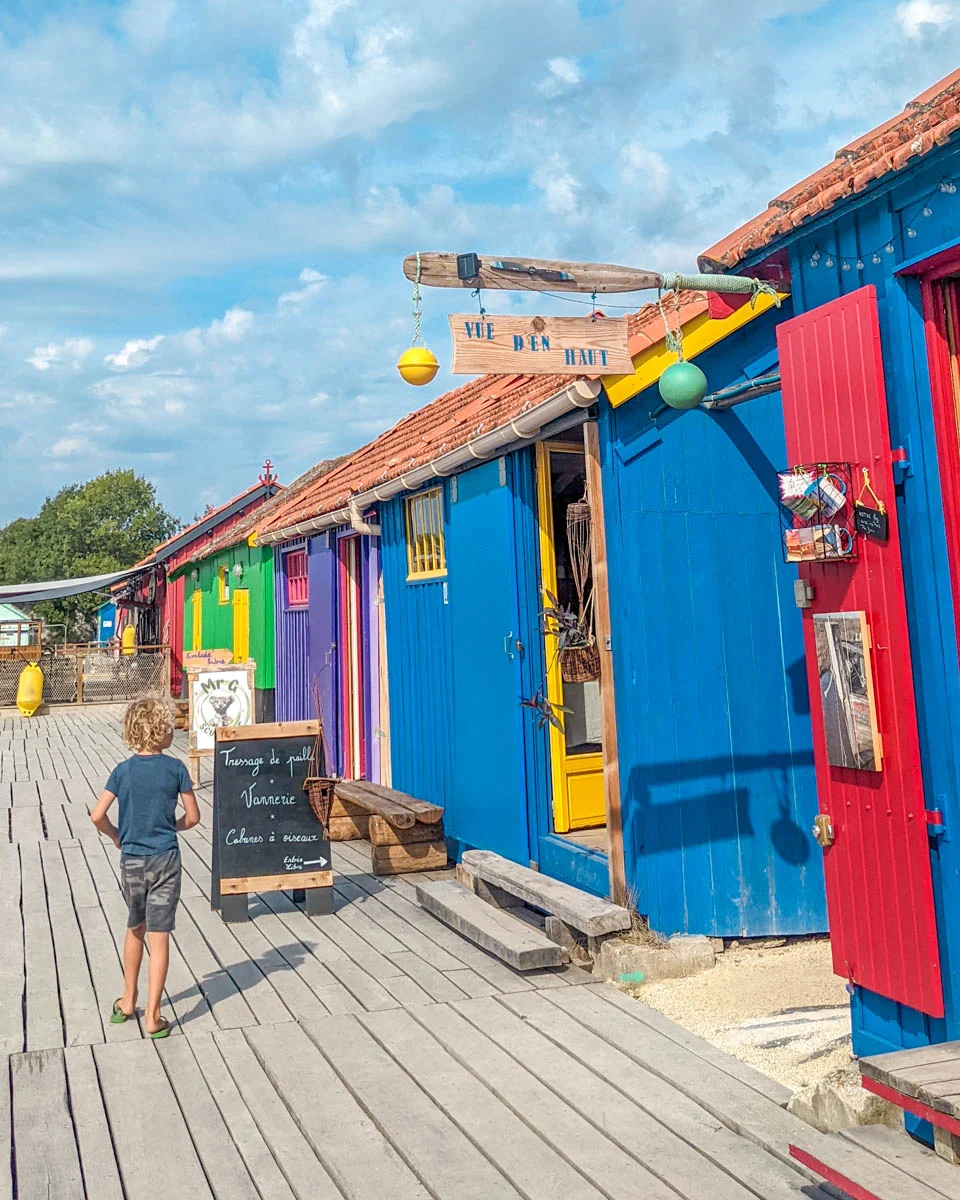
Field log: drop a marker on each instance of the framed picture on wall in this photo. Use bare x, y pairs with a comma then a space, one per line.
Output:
846, 690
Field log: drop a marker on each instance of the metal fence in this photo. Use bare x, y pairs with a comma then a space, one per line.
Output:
92, 674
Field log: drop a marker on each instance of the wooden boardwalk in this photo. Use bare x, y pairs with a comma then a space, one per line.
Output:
368, 1053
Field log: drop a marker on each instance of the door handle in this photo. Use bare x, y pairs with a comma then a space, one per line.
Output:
508, 645
823, 830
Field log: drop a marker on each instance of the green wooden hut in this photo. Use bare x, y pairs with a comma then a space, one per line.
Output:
228, 604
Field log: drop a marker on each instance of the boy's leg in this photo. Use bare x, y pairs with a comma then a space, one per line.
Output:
132, 958
159, 958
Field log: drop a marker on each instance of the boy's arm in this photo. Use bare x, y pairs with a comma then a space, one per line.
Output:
99, 817
191, 812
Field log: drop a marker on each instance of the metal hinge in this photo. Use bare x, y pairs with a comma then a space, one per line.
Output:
502, 464
453, 489
900, 460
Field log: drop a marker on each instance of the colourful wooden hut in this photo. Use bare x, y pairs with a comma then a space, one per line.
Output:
153, 603
870, 249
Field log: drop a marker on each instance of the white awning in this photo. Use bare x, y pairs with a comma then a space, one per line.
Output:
56, 589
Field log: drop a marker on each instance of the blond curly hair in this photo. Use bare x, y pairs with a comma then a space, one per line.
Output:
147, 722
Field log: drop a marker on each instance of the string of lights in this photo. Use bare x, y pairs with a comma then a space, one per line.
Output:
849, 262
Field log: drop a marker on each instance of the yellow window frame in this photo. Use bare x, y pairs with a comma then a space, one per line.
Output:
223, 585
426, 549
196, 630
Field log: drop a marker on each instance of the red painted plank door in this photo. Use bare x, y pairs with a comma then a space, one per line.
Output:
879, 888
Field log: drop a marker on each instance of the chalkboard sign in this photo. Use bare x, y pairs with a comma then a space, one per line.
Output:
265, 835
870, 522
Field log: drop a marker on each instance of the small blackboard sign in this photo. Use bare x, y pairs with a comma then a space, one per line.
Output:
870, 522
265, 835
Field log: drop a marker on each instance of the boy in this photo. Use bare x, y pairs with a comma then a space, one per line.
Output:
147, 786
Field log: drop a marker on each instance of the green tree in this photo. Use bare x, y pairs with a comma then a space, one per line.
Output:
106, 524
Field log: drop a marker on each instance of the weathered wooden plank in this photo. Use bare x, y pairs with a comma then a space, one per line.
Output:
439, 986
6, 1131
26, 825
224, 1168
382, 833
346, 829
601, 1159
472, 984
25, 794
589, 914
101, 1175
12, 977
229, 1008
761, 1083
533, 1167
440, 269
253, 984
47, 1163
859, 1172
248, 1139
81, 882
423, 810
54, 822
435, 1149
420, 856
356, 1155
44, 1021
301, 1167
768, 1176
405, 935
487, 926
78, 1000
651, 1142
140, 1104
395, 813
907, 1155
292, 990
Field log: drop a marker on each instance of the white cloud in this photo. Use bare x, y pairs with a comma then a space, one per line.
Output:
134, 353
918, 18
70, 353
70, 447
561, 189
562, 75
313, 282
236, 322
146, 21
318, 400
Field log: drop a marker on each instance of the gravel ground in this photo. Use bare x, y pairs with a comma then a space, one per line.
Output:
780, 1009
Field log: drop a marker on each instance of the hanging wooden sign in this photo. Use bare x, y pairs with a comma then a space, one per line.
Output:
539, 345
871, 522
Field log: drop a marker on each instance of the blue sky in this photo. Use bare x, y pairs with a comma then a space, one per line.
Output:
205, 203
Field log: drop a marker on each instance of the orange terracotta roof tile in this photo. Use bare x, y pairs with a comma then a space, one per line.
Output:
447, 423
928, 121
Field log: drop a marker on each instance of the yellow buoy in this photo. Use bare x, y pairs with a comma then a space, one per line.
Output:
30, 689
128, 640
418, 366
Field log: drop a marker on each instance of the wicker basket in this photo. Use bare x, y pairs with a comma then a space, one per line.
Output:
320, 793
580, 664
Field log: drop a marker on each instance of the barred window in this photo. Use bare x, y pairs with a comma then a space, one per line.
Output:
426, 555
297, 580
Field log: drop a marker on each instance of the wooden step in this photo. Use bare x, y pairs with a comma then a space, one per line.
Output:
884, 1165
924, 1081
589, 914
493, 930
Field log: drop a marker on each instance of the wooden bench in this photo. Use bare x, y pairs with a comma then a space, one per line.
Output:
517, 944
574, 917
406, 834
925, 1082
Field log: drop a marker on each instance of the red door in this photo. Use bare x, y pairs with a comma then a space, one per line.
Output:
879, 888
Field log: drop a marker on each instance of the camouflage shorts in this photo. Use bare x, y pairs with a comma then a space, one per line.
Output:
151, 888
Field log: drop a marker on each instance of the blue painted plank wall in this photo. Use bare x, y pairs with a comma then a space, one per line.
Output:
862, 230
715, 744
419, 668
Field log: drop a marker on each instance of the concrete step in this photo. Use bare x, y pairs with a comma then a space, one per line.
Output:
589, 914
492, 929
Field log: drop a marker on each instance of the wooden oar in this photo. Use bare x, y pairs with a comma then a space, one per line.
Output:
533, 274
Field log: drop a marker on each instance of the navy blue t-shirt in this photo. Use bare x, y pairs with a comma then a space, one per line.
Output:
147, 787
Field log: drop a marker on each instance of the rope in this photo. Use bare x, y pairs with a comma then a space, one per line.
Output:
673, 281
417, 313
673, 340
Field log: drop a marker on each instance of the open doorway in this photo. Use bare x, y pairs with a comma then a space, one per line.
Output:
573, 674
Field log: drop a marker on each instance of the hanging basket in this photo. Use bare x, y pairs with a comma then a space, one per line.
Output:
580, 664
320, 793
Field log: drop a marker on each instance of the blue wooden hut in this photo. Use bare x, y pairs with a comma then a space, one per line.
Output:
871, 251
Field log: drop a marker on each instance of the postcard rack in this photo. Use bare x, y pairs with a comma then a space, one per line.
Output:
817, 508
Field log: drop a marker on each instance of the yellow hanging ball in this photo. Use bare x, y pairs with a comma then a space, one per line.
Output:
418, 366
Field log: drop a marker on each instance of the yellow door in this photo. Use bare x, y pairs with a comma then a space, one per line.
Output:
576, 756
196, 633
241, 625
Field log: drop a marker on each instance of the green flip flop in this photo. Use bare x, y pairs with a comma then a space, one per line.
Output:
162, 1032
118, 1016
